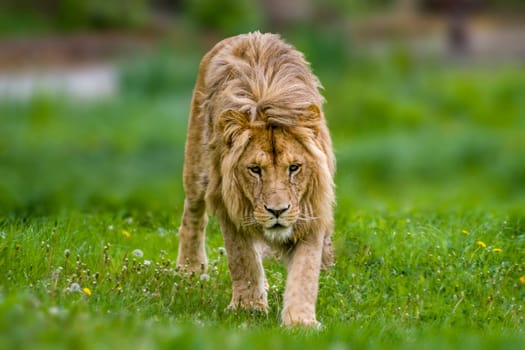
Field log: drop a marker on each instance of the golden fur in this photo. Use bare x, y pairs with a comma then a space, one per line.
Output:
259, 157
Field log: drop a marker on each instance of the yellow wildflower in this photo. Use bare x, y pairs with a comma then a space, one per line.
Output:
522, 279
497, 250
481, 244
465, 232
87, 291
126, 233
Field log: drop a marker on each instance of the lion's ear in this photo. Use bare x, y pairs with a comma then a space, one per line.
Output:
312, 117
314, 112
231, 124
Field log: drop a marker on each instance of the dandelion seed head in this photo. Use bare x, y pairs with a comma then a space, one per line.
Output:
138, 253
74, 287
147, 262
222, 251
205, 277
111, 227
67, 252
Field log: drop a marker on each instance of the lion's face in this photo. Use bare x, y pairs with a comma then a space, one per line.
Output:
273, 172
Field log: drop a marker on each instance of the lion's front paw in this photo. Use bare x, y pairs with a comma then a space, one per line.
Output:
196, 265
249, 303
299, 318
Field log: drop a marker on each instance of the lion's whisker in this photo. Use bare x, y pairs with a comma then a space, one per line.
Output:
307, 218
249, 222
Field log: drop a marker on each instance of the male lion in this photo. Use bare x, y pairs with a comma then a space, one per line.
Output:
259, 156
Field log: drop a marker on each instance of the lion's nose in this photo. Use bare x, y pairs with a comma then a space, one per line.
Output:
277, 211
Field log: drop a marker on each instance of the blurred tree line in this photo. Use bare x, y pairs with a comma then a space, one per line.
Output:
223, 16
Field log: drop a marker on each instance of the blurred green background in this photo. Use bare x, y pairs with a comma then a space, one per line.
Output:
418, 117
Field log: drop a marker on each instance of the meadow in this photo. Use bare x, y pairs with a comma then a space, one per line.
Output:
430, 215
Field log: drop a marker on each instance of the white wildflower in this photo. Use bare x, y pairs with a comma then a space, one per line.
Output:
138, 253
74, 287
147, 262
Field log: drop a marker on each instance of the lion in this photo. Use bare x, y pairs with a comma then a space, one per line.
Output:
259, 157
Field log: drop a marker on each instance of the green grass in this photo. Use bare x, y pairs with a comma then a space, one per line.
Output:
430, 217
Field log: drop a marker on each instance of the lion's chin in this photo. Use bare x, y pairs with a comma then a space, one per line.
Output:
278, 233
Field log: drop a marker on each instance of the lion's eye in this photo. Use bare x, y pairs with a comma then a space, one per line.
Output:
294, 167
255, 169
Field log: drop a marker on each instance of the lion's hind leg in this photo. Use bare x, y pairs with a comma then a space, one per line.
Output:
327, 259
192, 236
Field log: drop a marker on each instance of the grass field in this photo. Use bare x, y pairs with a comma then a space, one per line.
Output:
430, 217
